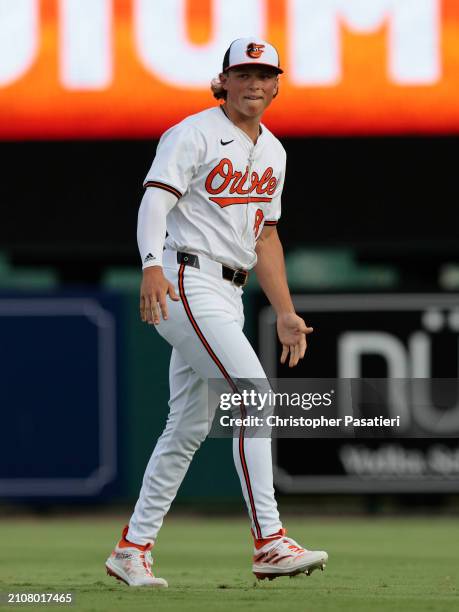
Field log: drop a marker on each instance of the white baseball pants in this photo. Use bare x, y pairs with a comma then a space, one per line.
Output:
205, 331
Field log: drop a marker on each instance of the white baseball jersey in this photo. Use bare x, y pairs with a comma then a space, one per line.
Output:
227, 190
228, 187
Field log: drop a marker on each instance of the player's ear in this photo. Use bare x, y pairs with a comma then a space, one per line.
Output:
223, 76
276, 88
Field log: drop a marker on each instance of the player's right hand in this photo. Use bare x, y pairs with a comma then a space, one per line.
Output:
153, 291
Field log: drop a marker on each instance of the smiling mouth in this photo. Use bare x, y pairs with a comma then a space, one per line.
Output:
253, 98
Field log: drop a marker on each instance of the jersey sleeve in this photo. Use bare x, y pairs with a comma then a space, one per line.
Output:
273, 211
177, 159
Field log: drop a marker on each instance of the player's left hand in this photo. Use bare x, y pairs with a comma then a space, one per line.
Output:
292, 332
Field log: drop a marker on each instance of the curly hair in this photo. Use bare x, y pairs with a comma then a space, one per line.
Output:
217, 89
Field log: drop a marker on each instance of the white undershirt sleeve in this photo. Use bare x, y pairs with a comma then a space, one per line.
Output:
151, 225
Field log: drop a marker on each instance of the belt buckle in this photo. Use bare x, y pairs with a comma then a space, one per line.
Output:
240, 278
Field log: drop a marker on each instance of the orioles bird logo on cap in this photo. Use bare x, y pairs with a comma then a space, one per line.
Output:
255, 51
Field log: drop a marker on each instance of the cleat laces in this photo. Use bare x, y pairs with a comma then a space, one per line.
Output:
294, 546
291, 545
142, 562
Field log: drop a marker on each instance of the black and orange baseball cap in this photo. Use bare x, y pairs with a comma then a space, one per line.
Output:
249, 51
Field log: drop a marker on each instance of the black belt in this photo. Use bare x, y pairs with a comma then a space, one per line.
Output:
237, 277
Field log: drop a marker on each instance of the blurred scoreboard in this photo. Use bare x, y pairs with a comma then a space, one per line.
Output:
381, 337
132, 68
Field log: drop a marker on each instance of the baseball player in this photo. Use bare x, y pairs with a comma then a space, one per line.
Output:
215, 186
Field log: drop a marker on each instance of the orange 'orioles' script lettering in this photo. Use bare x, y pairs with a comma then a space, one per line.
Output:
223, 176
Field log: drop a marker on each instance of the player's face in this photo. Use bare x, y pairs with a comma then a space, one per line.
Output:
250, 89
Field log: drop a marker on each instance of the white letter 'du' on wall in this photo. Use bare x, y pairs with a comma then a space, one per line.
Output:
352, 346
18, 38
165, 50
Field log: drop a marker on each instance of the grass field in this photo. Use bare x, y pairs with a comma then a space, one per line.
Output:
375, 565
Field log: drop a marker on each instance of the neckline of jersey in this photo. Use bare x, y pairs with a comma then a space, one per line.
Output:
246, 136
